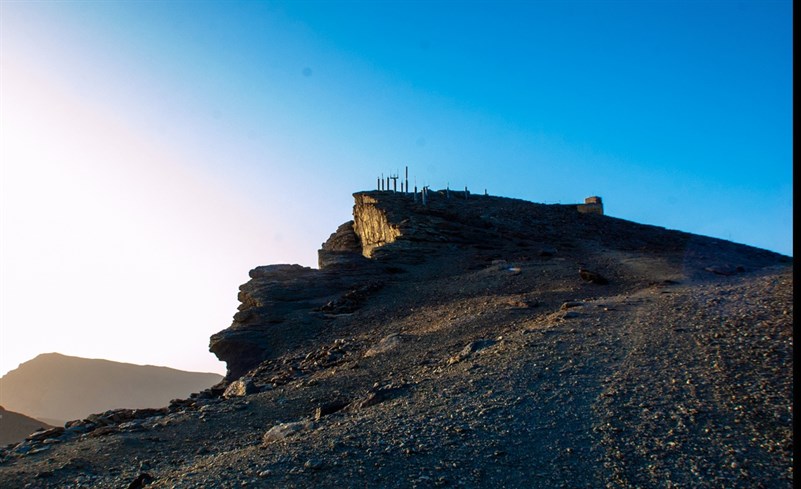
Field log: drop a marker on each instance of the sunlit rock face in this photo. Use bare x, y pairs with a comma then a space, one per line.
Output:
371, 224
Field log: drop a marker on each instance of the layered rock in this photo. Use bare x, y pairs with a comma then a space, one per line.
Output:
343, 249
280, 307
371, 224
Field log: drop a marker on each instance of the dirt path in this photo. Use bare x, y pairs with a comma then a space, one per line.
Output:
701, 398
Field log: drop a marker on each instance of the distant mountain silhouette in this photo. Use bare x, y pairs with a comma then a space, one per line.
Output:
14, 427
57, 388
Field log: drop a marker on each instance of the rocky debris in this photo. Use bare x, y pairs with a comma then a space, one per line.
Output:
725, 269
95, 426
665, 418
386, 344
283, 431
471, 348
278, 372
313, 464
141, 481
329, 408
592, 277
46, 434
212, 392
377, 395
240, 388
352, 299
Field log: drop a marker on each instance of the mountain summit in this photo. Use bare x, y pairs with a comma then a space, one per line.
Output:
474, 341
457, 245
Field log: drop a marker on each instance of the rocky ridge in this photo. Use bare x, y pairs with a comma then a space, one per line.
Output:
474, 341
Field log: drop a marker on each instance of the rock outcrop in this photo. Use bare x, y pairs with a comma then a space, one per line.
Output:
371, 224
391, 234
343, 249
281, 307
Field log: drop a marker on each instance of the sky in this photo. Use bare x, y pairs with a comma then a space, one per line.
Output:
152, 153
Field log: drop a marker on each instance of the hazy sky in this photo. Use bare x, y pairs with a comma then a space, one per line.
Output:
154, 152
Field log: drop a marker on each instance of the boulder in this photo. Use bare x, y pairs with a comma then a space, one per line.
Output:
283, 431
240, 388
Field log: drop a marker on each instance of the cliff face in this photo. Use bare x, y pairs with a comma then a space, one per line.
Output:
283, 306
394, 238
371, 224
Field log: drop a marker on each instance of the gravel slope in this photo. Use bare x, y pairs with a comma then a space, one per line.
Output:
675, 385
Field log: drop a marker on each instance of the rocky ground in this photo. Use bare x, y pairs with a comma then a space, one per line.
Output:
470, 352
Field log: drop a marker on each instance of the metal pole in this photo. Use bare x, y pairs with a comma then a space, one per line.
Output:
465, 192
407, 178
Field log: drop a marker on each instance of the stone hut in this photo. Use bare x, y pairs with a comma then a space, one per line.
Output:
591, 205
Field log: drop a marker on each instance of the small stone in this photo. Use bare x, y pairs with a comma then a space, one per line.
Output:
547, 251
45, 434
592, 277
284, 430
329, 408
387, 343
240, 388
141, 480
567, 305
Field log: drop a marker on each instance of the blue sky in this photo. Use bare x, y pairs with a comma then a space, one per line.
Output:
154, 152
